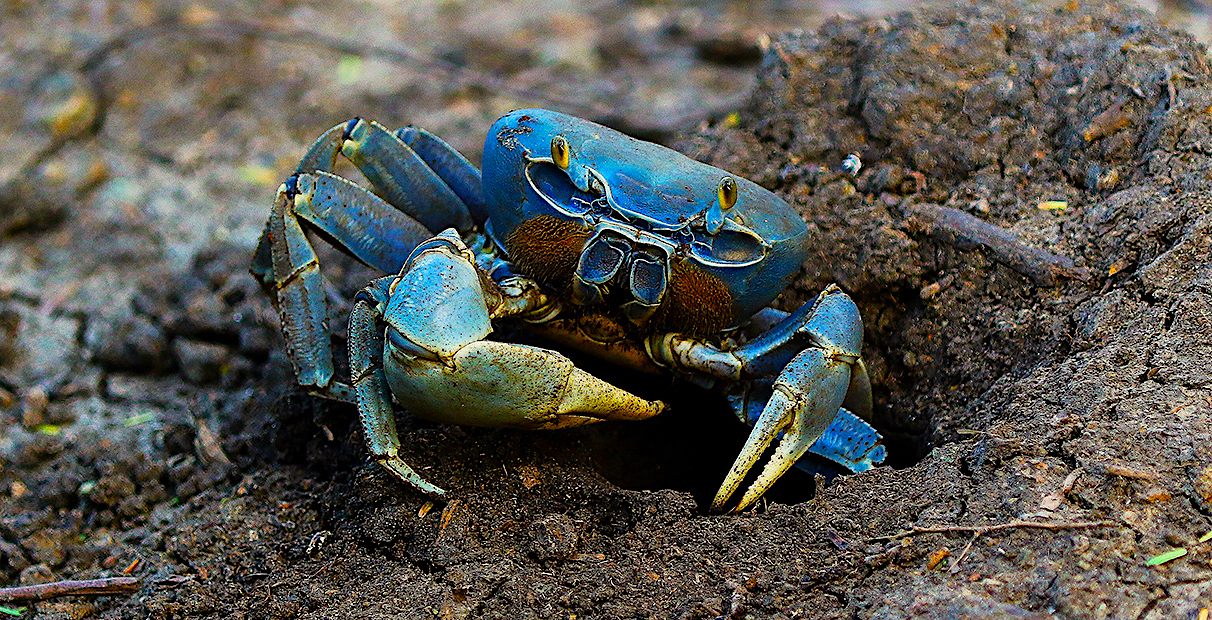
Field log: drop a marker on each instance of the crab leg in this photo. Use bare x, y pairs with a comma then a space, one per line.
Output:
426, 189
370, 386
437, 364
446, 187
411, 168
360, 224
449, 164
815, 353
403, 178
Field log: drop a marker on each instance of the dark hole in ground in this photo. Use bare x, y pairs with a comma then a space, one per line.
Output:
908, 429
687, 448
691, 446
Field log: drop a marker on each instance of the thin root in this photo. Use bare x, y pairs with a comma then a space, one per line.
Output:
979, 530
86, 587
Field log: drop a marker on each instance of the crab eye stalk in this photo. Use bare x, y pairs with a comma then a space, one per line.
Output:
727, 193
726, 196
559, 152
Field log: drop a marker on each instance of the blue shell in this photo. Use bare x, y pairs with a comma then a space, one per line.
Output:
756, 248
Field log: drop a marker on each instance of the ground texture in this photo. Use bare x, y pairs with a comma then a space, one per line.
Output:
1056, 370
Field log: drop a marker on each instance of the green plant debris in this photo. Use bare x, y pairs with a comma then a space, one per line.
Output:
1162, 558
139, 418
258, 175
349, 69
12, 611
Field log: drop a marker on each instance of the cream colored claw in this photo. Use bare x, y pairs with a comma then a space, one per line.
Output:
807, 396
489, 383
430, 325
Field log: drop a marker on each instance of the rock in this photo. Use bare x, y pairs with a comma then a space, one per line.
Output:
12, 558
554, 537
206, 313
45, 547
131, 343
200, 362
36, 574
37, 348
112, 489
386, 524
178, 438
1203, 485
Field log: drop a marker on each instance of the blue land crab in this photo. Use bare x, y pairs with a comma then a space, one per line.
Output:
592, 239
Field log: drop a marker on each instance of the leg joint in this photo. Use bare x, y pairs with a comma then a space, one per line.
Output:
311, 265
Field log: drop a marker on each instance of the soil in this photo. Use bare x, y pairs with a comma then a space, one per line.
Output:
148, 425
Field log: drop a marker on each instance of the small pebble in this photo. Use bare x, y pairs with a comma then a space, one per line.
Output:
36, 574
554, 537
200, 362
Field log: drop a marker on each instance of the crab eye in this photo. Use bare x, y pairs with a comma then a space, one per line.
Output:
559, 152
727, 193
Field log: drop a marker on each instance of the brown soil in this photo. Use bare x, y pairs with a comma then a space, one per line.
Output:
147, 421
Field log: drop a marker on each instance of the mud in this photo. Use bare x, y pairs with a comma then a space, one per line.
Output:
147, 421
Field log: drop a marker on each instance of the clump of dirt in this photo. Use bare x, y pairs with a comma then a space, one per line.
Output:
1071, 128
165, 441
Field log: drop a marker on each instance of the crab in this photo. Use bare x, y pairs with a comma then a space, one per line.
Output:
592, 240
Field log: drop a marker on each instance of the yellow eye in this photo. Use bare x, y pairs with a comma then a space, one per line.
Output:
559, 151
727, 193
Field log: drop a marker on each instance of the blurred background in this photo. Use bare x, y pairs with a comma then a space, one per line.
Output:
209, 104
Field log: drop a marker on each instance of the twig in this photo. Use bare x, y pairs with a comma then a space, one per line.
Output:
1116, 469
967, 232
267, 30
653, 127
979, 530
86, 587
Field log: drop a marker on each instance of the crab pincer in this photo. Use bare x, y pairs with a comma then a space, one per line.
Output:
430, 323
805, 406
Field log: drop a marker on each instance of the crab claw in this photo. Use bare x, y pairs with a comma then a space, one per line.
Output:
805, 405
488, 383
801, 416
440, 366
422, 335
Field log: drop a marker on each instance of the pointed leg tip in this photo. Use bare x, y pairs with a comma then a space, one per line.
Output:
717, 505
408, 476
